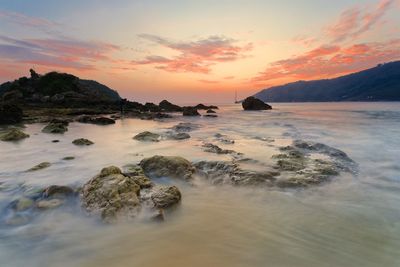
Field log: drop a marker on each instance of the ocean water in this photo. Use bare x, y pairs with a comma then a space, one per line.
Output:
353, 220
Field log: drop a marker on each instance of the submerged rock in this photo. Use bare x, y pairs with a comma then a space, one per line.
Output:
177, 136
68, 158
22, 204
58, 191
210, 115
185, 127
147, 137
252, 103
13, 134
111, 194
40, 166
166, 196
167, 166
82, 142
208, 147
46, 204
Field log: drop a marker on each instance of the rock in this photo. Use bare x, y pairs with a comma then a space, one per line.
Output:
82, 142
68, 158
210, 115
166, 197
169, 107
58, 191
178, 136
210, 111
10, 114
17, 219
167, 166
190, 111
13, 134
137, 174
23, 203
224, 139
40, 166
49, 204
185, 127
56, 127
252, 103
204, 107
147, 137
152, 107
96, 120
111, 194
221, 172
216, 149
55, 141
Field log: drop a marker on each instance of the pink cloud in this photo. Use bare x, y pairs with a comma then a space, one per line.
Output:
329, 61
208, 81
356, 21
196, 56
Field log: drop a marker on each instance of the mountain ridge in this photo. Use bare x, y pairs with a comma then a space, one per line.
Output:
380, 83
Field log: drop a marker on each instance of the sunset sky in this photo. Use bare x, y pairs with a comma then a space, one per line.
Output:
196, 51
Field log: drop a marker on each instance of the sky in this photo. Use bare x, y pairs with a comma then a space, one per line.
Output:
196, 51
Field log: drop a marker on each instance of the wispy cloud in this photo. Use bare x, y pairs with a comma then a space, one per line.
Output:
195, 56
66, 53
328, 61
208, 81
358, 20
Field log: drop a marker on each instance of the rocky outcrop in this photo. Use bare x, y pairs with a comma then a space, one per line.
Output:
82, 142
111, 194
167, 166
252, 103
190, 111
13, 134
147, 137
10, 114
169, 107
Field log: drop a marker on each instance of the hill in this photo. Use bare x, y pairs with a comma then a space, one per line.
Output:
381, 83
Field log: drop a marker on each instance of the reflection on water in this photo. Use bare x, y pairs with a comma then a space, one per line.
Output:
352, 221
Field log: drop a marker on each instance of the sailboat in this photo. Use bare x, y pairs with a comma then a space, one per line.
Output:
236, 101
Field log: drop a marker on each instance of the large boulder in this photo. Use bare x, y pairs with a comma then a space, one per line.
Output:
111, 194
169, 107
13, 134
252, 103
10, 114
167, 166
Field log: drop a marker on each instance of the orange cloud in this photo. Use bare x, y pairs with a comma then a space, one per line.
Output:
197, 56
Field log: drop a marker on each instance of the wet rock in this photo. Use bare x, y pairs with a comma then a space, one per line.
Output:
167, 166
210, 111
40, 166
10, 114
55, 141
137, 174
204, 107
82, 142
56, 127
111, 194
166, 196
221, 172
68, 158
185, 127
224, 139
46, 204
169, 107
147, 137
208, 147
23, 203
96, 120
190, 111
177, 136
13, 134
252, 103
58, 191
